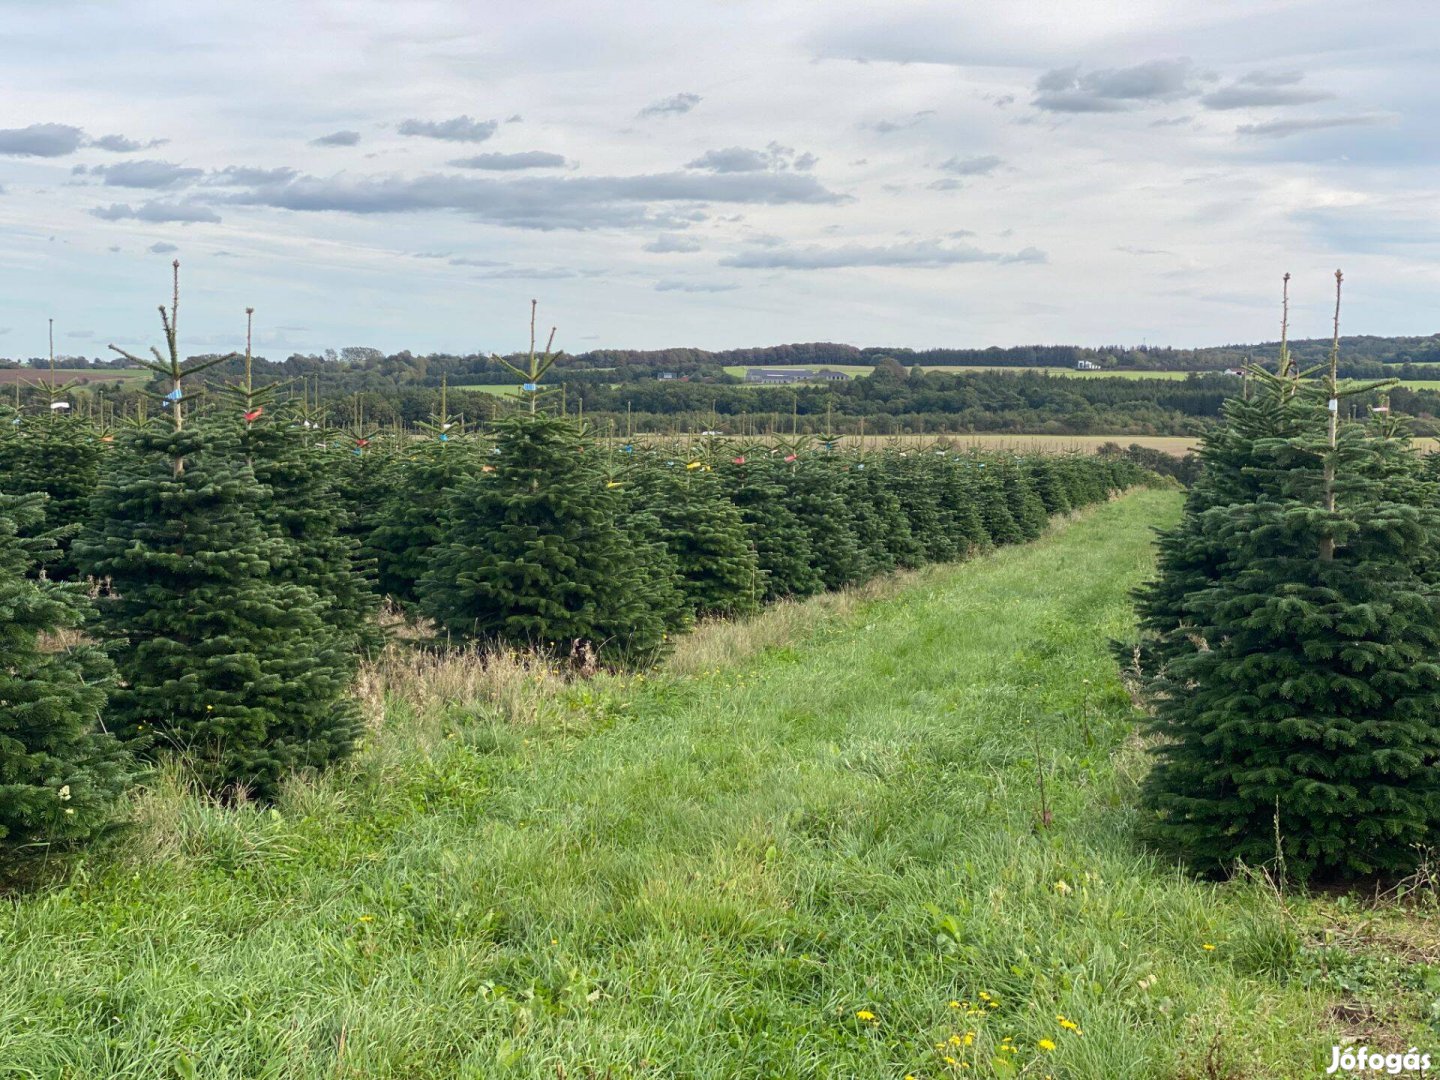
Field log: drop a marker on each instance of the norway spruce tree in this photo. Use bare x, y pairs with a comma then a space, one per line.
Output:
61, 772
1297, 703
218, 656
814, 491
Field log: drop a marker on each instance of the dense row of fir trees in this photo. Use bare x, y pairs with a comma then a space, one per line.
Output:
206, 582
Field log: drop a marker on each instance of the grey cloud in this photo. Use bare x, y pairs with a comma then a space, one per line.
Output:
885, 127
1258, 96
1271, 78
1278, 129
945, 183
337, 138
514, 118
41, 140
922, 253
119, 144
1114, 89
160, 247
666, 243
531, 273
975, 166
157, 212
676, 104
731, 159
734, 159
146, 174
247, 176
669, 285
464, 260
539, 202
456, 129
527, 159
80, 335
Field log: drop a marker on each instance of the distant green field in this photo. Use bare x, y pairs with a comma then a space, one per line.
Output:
739, 370
35, 376
485, 388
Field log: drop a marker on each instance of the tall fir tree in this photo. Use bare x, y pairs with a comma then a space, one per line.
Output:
61, 772
217, 657
1297, 700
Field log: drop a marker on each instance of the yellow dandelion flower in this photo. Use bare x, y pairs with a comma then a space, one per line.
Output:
367, 918
969, 1038
954, 1004
1208, 948
984, 996
1046, 1045
864, 1014
1063, 888
951, 1061
1069, 1025
954, 1040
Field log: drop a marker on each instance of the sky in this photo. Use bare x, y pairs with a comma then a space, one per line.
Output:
714, 174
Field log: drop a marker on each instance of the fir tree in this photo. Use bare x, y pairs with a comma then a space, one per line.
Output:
57, 455
780, 540
60, 771
1297, 699
533, 555
813, 492
217, 657
719, 573
304, 510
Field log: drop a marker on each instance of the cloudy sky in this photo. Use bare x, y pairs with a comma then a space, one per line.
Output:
409, 175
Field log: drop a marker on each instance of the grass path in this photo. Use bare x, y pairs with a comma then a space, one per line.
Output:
820, 862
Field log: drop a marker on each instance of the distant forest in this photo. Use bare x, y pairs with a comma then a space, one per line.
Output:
625, 388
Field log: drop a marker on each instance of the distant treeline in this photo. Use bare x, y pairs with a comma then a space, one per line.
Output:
898, 396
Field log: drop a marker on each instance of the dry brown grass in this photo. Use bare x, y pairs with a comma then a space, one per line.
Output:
429, 681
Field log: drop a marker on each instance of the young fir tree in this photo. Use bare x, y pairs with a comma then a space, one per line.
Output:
987, 484
813, 491
917, 485
780, 540
533, 555
61, 772
960, 502
58, 455
1299, 725
218, 656
410, 517
719, 573
1051, 484
1022, 500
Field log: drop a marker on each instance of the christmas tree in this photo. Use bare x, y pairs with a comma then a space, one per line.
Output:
218, 657
719, 573
1297, 701
780, 540
533, 553
304, 510
60, 771
410, 516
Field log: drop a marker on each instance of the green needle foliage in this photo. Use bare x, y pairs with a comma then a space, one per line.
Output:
219, 656
719, 574
60, 771
779, 538
59, 456
1295, 676
533, 553
410, 518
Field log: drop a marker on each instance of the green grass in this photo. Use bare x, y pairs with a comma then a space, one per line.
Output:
856, 370
709, 872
